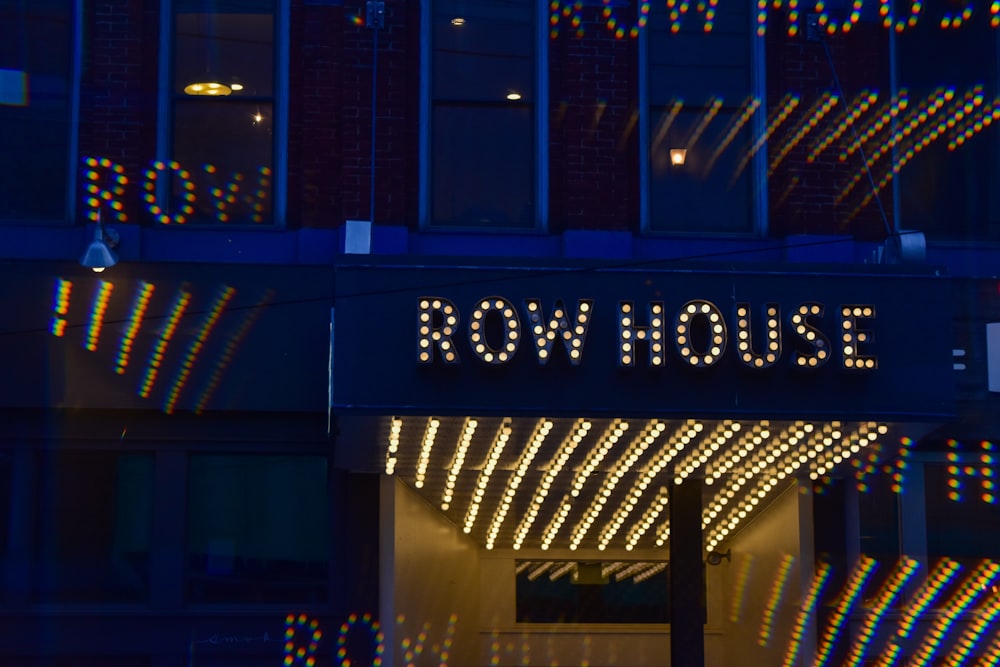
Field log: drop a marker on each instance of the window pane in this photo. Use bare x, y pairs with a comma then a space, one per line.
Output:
699, 88
35, 51
592, 593
950, 185
482, 167
257, 529
93, 535
225, 146
223, 114
5, 503
482, 143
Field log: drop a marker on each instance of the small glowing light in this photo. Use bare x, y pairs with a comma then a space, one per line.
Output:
236, 87
458, 20
210, 88
678, 156
513, 96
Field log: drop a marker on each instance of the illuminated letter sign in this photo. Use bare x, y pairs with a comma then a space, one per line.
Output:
437, 320
629, 332
510, 325
544, 331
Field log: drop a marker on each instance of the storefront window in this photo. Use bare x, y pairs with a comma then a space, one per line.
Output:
700, 122
36, 42
93, 534
482, 159
223, 142
612, 592
257, 529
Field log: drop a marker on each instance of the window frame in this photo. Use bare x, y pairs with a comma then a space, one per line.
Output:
279, 148
758, 122
541, 128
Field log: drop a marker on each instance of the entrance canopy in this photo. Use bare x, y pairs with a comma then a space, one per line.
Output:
545, 408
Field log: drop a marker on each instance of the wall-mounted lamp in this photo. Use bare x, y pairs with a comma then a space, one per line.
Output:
715, 557
98, 255
678, 156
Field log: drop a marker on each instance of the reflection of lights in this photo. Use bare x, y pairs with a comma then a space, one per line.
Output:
962, 599
305, 654
513, 96
808, 123
665, 122
956, 20
862, 103
61, 307
345, 629
109, 194
819, 580
524, 461
774, 599
458, 20
611, 21
236, 87
97, 314
160, 213
139, 306
569, 11
156, 358
845, 601
968, 639
713, 109
576, 435
899, 25
890, 110
904, 569
740, 588
194, 349
830, 25
496, 449
779, 114
232, 344
749, 106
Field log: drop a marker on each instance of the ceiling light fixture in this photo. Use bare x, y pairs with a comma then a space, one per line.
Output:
98, 255
513, 96
209, 89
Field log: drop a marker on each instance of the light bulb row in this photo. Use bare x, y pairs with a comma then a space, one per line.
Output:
496, 449
647, 520
426, 445
524, 461
461, 450
709, 446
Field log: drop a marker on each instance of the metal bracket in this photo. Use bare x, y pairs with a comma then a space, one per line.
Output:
375, 14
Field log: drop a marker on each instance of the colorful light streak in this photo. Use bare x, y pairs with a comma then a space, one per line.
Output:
61, 306
780, 113
956, 20
808, 123
108, 195
739, 597
181, 302
862, 103
793, 16
301, 655
984, 575
571, 11
232, 344
665, 123
774, 599
882, 121
611, 21
747, 109
975, 124
852, 589
97, 311
905, 568
967, 641
412, 650
713, 110
808, 606
936, 582
831, 26
139, 306
196, 346
373, 626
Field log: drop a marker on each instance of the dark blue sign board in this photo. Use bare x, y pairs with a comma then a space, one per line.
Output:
872, 343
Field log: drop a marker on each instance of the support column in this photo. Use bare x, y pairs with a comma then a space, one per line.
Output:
687, 576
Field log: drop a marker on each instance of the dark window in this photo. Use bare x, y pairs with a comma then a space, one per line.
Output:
483, 111
700, 102
949, 182
592, 593
93, 532
878, 510
36, 41
5, 504
222, 169
258, 529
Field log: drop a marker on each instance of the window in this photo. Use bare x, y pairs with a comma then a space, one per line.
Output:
483, 114
258, 529
948, 186
36, 52
93, 533
592, 592
221, 167
702, 109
